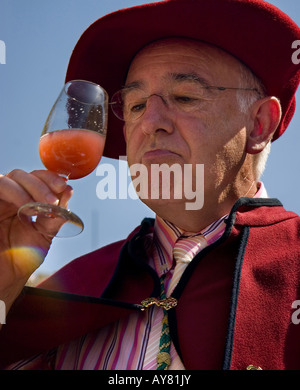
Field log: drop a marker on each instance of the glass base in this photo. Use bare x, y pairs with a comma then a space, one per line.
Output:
50, 220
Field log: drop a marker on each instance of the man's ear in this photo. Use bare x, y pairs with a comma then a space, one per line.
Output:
266, 115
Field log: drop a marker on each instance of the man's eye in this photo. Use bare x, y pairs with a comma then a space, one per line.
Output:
185, 99
137, 107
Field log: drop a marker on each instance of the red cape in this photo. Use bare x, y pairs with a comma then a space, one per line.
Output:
250, 323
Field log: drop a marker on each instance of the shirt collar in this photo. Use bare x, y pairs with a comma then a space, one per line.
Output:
166, 234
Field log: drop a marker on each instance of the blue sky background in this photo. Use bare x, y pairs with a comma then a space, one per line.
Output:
39, 36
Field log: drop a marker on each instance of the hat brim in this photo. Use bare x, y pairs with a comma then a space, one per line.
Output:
254, 31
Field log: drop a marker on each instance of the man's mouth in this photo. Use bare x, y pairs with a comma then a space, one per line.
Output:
158, 154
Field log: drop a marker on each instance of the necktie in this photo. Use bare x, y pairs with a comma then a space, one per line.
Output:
163, 357
184, 251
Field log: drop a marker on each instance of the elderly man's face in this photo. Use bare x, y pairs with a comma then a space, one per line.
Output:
213, 134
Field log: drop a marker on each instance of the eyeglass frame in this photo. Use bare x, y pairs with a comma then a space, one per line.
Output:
219, 88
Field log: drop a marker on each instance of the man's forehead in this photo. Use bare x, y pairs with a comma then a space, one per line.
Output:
175, 78
193, 52
182, 45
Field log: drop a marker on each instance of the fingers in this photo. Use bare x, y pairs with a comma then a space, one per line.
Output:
19, 187
55, 182
65, 196
11, 192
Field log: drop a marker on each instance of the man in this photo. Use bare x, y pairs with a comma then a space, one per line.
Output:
190, 96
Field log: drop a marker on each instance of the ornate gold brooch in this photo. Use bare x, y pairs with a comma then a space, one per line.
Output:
167, 303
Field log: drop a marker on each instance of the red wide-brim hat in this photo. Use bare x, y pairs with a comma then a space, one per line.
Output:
254, 31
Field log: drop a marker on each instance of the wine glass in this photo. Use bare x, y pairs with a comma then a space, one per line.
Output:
71, 144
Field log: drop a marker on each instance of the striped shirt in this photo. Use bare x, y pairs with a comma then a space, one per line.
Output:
130, 343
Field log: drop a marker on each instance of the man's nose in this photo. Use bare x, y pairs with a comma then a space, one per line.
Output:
157, 116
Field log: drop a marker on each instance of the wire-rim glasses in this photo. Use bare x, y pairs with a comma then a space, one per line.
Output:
129, 104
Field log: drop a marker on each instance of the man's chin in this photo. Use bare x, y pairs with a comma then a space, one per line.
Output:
165, 206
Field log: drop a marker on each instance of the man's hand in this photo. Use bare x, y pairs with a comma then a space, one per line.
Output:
22, 247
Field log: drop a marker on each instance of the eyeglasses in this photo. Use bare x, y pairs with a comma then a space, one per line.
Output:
129, 104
